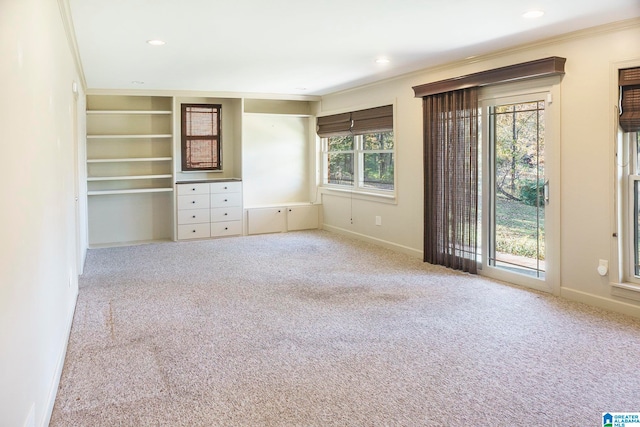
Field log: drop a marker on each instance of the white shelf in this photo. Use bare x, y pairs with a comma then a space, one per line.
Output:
128, 177
130, 191
161, 135
131, 159
126, 112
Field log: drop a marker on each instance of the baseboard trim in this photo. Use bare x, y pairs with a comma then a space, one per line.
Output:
53, 391
597, 301
389, 245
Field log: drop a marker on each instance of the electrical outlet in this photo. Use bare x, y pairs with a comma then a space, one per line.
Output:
603, 267
378, 220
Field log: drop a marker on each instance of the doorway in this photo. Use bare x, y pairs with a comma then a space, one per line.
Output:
519, 216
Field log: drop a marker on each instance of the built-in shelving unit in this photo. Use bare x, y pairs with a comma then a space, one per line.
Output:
129, 168
134, 173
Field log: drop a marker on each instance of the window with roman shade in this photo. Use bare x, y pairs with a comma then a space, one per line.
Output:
201, 144
628, 164
358, 149
629, 81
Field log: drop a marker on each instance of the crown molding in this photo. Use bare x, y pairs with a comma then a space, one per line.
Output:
633, 23
69, 29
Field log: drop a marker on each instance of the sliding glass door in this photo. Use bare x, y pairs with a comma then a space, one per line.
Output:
516, 186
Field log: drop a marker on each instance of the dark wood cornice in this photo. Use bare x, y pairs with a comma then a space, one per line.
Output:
539, 68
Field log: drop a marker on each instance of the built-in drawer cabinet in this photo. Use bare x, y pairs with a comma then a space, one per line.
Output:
210, 209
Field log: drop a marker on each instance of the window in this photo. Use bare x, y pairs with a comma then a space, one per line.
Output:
201, 137
359, 149
361, 161
629, 173
632, 147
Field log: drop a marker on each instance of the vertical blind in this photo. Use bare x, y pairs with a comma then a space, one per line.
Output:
451, 179
450, 121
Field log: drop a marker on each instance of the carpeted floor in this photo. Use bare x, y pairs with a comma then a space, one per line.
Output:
316, 329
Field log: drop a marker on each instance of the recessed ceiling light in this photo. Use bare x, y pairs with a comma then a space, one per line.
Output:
155, 42
533, 14
382, 61
137, 82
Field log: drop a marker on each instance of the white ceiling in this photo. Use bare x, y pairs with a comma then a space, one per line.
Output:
306, 47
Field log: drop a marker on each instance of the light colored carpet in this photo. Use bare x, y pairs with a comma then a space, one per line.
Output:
316, 329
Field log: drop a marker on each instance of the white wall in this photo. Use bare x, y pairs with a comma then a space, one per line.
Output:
38, 265
587, 141
275, 152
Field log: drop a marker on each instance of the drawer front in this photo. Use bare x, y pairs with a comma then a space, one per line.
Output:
225, 187
219, 200
194, 231
233, 213
227, 228
193, 216
196, 201
185, 189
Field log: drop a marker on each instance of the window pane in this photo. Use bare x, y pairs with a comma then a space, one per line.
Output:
637, 150
340, 168
378, 141
378, 170
201, 154
340, 143
636, 227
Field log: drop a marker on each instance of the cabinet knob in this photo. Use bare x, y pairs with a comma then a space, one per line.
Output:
226, 200
193, 189
279, 211
226, 188
193, 231
289, 210
193, 216
225, 214
193, 201
226, 228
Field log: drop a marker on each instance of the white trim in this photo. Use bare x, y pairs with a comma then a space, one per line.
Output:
69, 29
547, 89
55, 383
348, 192
629, 246
385, 243
601, 302
619, 157
626, 290
504, 53
201, 94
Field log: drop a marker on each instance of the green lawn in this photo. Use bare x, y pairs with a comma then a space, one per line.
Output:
516, 228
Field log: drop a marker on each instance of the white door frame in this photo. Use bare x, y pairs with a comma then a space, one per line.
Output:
547, 89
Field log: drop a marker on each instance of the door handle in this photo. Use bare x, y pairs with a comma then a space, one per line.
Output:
546, 192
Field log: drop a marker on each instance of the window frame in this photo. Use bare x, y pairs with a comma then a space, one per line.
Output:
631, 144
358, 152
547, 89
216, 138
